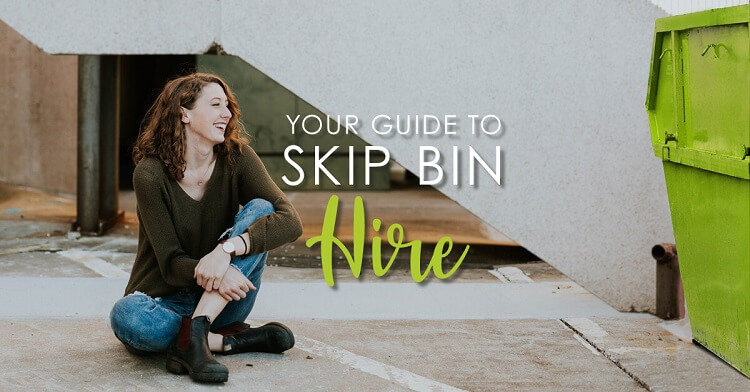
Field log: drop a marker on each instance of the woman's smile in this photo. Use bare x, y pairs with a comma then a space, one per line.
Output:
210, 115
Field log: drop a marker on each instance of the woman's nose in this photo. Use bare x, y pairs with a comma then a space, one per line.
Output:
226, 114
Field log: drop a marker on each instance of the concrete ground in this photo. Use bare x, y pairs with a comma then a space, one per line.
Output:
516, 325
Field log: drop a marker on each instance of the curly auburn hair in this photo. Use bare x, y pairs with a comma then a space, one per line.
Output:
163, 134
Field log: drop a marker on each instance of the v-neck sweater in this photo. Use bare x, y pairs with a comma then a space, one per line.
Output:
176, 231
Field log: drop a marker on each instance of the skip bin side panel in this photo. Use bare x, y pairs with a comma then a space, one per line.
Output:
717, 90
711, 220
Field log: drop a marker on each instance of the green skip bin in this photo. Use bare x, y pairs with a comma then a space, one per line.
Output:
698, 106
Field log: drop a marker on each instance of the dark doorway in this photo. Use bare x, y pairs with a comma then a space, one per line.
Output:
141, 80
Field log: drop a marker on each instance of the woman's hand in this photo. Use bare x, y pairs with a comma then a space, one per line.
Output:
234, 285
211, 269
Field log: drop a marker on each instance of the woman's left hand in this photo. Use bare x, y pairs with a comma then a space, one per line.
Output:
211, 269
235, 285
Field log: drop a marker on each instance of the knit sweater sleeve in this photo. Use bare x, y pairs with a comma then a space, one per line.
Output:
176, 267
281, 226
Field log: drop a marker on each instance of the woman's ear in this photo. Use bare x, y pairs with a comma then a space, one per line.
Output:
185, 115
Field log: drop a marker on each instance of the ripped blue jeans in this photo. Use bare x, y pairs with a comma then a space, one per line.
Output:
148, 325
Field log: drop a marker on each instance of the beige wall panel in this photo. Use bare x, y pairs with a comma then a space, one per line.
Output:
37, 115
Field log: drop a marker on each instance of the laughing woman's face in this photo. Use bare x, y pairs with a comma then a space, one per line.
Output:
209, 116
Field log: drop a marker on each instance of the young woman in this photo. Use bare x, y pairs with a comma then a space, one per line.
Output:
192, 286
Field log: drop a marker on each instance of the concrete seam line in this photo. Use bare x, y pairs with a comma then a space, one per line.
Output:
23, 249
400, 376
587, 327
586, 344
605, 354
581, 340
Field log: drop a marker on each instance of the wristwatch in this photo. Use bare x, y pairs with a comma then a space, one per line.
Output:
228, 247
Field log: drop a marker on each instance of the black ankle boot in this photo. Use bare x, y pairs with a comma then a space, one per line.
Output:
189, 353
271, 338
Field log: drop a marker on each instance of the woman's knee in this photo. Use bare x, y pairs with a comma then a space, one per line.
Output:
262, 206
254, 209
250, 212
120, 316
139, 325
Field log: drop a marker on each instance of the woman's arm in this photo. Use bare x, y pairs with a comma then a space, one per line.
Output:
177, 268
273, 230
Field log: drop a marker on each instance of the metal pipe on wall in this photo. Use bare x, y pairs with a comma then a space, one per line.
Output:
670, 296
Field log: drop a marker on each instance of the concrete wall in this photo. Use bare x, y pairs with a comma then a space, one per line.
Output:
676, 7
568, 79
37, 115
582, 188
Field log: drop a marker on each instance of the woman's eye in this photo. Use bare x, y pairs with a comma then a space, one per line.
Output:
215, 104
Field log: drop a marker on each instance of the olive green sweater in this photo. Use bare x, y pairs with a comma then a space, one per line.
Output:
176, 230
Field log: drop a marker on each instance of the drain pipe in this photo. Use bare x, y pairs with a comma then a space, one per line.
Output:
670, 297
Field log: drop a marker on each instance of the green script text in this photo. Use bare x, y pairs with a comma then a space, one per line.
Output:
395, 235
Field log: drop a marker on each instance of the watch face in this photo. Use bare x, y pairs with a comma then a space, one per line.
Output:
228, 247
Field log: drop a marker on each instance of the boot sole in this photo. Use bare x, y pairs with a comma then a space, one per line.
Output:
177, 366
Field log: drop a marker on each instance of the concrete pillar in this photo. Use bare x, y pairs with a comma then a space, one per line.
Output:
89, 107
